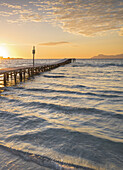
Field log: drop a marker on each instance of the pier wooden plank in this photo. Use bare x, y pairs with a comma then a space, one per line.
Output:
30, 70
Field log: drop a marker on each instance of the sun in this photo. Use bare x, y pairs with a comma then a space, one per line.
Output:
4, 52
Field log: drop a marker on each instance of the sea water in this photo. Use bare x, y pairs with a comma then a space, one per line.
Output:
67, 118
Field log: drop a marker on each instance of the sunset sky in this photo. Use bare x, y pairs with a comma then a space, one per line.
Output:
61, 28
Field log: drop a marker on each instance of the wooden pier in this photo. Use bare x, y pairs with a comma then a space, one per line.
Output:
21, 73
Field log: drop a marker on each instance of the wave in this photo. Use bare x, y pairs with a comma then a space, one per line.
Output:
47, 76
18, 119
75, 144
78, 86
57, 108
43, 160
67, 86
53, 91
46, 90
70, 109
97, 65
7, 99
8, 115
111, 91
102, 95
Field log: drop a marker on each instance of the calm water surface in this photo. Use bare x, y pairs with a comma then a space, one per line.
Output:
67, 118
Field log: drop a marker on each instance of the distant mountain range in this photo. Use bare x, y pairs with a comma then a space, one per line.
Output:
102, 56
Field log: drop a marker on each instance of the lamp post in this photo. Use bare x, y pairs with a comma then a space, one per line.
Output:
33, 52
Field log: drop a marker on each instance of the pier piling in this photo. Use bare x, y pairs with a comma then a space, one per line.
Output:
30, 71
4, 79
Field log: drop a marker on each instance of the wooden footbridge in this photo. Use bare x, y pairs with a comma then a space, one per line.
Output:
21, 73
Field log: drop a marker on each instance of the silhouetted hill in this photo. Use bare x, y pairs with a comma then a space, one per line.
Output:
102, 56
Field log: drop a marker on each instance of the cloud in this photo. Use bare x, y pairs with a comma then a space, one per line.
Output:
33, 17
85, 17
11, 6
3, 13
54, 43
89, 17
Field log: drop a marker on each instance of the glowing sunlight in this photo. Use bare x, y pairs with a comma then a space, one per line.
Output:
4, 52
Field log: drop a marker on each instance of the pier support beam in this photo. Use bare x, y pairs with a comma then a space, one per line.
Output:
7, 75
20, 76
20, 72
11, 75
4, 79
32, 71
15, 74
28, 73
24, 74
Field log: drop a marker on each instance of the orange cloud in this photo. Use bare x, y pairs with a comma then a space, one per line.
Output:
11, 6
54, 43
87, 18
33, 17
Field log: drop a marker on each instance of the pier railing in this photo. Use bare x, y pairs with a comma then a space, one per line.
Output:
21, 73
